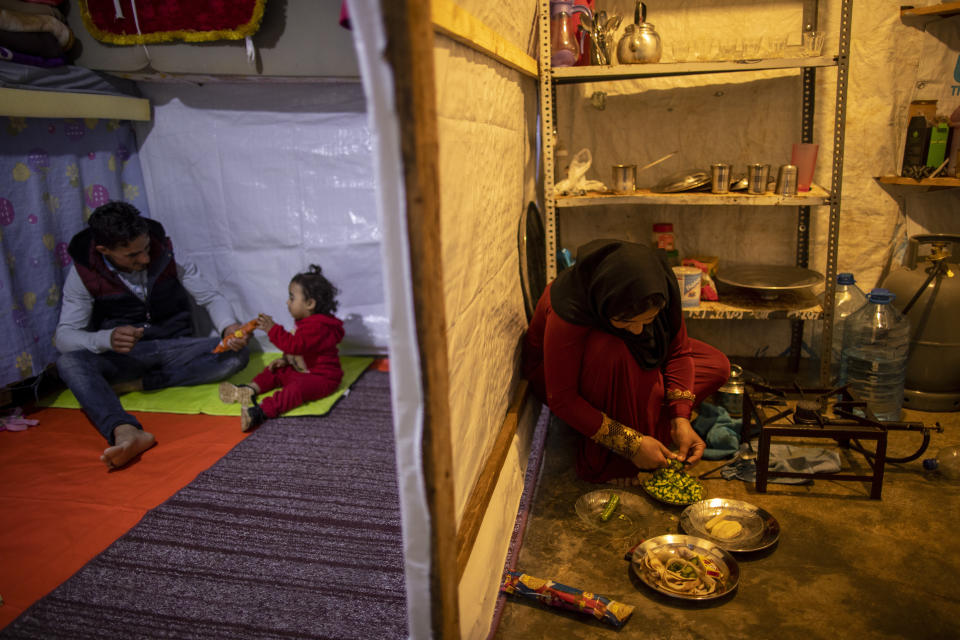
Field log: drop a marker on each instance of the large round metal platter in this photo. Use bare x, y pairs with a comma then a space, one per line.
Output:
666, 564
758, 529
623, 522
682, 181
768, 277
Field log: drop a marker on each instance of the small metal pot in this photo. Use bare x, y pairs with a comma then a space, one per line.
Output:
730, 395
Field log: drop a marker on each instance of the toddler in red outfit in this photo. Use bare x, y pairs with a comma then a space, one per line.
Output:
309, 368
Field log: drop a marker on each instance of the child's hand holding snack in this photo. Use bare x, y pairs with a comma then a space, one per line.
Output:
265, 322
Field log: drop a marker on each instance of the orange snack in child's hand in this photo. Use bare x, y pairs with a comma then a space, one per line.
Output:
245, 330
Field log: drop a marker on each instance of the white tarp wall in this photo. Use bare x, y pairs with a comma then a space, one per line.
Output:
487, 158
487, 151
256, 182
743, 118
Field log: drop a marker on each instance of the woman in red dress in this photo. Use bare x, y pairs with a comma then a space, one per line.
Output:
607, 351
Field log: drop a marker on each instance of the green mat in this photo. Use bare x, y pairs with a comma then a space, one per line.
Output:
204, 398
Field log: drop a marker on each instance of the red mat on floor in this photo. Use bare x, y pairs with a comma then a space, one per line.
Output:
60, 507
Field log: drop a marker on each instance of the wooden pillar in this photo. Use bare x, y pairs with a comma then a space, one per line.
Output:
409, 52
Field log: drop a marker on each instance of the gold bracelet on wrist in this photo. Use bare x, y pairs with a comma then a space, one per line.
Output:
618, 437
681, 394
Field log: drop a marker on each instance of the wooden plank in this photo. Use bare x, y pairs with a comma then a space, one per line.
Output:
479, 500
788, 305
453, 22
942, 9
409, 51
815, 197
26, 103
926, 182
566, 75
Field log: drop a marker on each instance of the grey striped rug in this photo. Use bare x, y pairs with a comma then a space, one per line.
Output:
293, 534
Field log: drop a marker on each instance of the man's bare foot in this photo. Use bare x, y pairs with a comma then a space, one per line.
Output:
127, 387
130, 442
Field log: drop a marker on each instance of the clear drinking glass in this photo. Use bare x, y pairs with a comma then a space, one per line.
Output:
812, 43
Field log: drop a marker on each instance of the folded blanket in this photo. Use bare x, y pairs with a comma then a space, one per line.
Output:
719, 431
789, 459
16, 21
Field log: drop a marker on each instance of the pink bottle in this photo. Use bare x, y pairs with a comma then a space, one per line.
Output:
564, 48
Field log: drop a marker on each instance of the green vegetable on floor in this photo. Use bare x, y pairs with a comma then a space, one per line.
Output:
610, 507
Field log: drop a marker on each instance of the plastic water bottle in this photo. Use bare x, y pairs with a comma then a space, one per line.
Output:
947, 463
876, 342
847, 298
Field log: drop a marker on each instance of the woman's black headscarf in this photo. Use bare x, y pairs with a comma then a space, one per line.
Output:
606, 273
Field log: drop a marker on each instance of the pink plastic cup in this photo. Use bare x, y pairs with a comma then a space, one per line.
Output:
804, 157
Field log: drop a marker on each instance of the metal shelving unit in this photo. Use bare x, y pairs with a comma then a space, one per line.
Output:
795, 308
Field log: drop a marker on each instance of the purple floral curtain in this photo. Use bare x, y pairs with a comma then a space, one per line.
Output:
53, 174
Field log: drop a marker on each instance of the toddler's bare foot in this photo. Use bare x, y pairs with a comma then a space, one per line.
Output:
130, 442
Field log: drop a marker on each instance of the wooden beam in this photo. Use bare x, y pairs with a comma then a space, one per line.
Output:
455, 23
487, 482
409, 52
942, 9
27, 103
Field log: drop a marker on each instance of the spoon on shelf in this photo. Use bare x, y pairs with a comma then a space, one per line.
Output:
657, 161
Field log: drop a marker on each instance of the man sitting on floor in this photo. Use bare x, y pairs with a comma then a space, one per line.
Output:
126, 322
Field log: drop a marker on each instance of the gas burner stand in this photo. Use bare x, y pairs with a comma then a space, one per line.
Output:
766, 411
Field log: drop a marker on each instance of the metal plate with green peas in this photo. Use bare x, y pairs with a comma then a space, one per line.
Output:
673, 485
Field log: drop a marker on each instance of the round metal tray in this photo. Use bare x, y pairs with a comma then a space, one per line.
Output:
768, 278
683, 181
760, 530
720, 565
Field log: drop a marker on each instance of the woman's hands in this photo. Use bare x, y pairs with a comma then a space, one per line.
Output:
651, 454
690, 446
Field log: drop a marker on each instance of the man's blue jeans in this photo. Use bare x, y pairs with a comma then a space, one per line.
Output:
159, 363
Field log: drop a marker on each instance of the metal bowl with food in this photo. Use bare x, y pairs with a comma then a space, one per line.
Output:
732, 524
616, 513
686, 567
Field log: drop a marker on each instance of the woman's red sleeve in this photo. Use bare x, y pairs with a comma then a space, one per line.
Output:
563, 346
678, 374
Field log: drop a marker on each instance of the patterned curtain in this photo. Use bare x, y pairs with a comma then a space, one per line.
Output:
53, 174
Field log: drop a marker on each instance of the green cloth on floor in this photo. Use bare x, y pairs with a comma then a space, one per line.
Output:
205, 398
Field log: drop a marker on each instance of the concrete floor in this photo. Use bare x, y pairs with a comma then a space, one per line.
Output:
845, 566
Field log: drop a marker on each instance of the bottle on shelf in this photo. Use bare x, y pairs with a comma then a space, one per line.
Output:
847, 298
663, 237
947, 463
876, 342
564, 47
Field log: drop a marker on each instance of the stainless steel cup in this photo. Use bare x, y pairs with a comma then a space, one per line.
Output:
757, 178
624, 178
787, 180
719, 178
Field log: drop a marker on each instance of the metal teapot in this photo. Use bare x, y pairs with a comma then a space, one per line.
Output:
640, 43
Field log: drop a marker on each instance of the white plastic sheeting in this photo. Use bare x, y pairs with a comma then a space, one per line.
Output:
406, 391
255, 183
487, 116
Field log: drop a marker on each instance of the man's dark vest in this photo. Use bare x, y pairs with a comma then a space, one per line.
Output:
166, 313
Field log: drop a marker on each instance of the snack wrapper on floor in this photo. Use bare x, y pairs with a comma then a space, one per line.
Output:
554, 594
245, 330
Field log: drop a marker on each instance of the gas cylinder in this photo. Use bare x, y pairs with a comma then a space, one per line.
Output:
928, 293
